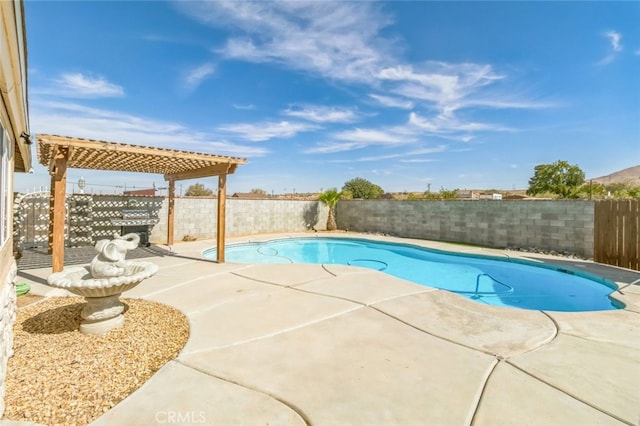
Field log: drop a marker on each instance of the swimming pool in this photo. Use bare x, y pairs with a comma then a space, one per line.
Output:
484, 279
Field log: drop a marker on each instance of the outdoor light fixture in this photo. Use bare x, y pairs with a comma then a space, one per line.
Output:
27, 137
81, 184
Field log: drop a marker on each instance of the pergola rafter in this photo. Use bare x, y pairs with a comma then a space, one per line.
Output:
61, 152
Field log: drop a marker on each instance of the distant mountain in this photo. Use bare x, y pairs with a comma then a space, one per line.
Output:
630, 175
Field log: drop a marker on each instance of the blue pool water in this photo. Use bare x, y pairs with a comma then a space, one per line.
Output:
484, 279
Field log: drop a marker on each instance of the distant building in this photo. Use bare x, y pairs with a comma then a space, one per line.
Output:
149, 192
469, 195
492, 196
478, 195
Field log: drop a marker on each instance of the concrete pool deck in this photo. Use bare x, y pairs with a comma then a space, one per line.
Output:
337, 345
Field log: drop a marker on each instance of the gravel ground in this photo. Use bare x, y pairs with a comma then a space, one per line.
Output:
559, 253
59, 376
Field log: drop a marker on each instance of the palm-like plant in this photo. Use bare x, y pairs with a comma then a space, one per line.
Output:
330, 198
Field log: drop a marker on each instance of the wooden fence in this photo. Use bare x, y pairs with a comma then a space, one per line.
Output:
616, 233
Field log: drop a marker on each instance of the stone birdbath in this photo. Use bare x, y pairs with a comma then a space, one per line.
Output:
102, 282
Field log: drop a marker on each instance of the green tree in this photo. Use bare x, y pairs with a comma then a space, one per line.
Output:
621, 190
362, 188
330, 198
448, 194
428, 195
258, 191
593, 190
198, 190
616, 190
559, 178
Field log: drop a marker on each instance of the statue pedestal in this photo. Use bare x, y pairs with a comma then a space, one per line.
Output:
103, 311
102, 282
102, 314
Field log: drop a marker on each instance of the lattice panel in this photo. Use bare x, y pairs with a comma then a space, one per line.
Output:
88, 217
31, 220
80, 209
106, 207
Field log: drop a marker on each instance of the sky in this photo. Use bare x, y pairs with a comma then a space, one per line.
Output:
409, 95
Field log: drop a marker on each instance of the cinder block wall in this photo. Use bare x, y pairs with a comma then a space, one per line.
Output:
197, 217
549, 225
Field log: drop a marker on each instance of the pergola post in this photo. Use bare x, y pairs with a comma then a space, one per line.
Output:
52, 197
222, 200
171, 211
59, 186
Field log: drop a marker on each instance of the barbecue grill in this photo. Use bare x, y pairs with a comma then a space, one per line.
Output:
138, 221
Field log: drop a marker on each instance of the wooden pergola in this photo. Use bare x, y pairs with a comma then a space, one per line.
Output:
59, 153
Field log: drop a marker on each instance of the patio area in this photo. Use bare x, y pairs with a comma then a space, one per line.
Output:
330, 344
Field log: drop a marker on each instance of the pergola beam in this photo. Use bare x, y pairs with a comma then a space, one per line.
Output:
214, 170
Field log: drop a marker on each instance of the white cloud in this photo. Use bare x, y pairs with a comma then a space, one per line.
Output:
614, 38
423, 151
338, 41
445, 125
372, 137
445, 85
323, 114
194, 77
406, 73
406, 157
350, 140
417, 160
503, 103
244, 49
76, 120
343, 42
379, 157
425, 125
392, 102
333, 147
77, 85
267, 130
448, 123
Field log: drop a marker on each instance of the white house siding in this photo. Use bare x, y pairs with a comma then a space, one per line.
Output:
16, 156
